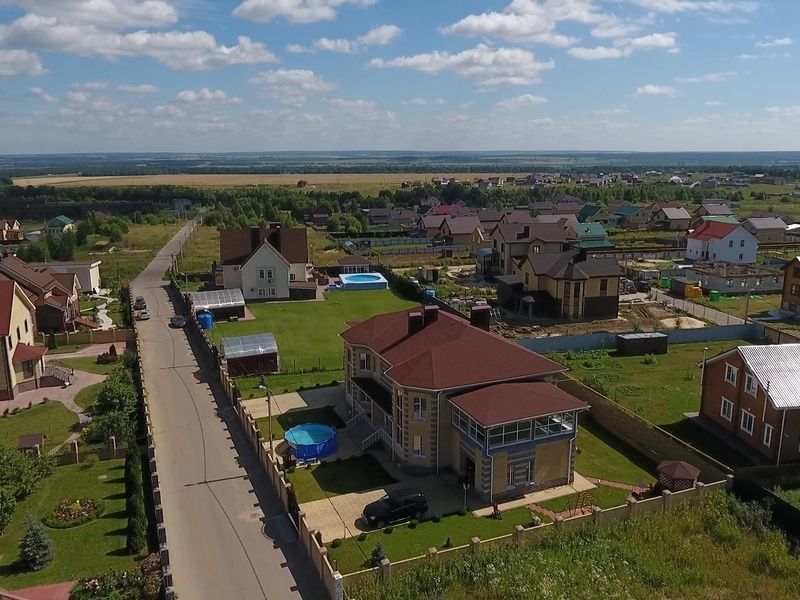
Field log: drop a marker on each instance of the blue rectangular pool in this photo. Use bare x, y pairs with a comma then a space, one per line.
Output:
363, 281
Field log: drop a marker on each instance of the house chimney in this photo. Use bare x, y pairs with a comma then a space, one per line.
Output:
431, 313
580, 256
526, 231
255, 238
416, 322
480, 316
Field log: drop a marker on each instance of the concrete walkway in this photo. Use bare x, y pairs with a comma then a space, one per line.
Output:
57, 393
55, 591
580, 484
316, 398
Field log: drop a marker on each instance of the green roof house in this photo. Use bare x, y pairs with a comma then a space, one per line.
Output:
60, 225
591, 236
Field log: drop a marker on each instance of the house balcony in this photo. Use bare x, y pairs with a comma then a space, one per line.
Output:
370, 392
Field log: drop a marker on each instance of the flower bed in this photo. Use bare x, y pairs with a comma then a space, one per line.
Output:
72, 512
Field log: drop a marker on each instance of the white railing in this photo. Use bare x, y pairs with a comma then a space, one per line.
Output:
356, 418
385, 438
371, 440
59, 371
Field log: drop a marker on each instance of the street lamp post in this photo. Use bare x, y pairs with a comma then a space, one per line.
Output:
703, 370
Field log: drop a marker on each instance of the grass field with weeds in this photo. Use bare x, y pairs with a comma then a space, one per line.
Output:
52, 419
200, 250
659, 388
715, 548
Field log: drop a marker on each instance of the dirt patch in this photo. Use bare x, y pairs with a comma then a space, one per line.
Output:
683, 323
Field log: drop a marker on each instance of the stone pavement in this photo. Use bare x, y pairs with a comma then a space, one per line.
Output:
56, 591
57, 393
90, 350
327, 396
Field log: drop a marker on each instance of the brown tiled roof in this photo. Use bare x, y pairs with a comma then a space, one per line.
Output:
37, 280
448, 353
508, 402
430, 221
462, 225
564, 265
67, 280
546, 232
25, 352
354, 259
236, 245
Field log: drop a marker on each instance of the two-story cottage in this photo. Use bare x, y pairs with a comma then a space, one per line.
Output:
10, 231
439, 392
591, 236
767, 230
724, 242
592, 213
514, 241
21, 362
266, 263
59, 225
751, 392
572, 284
791, 286
462, 231
672, 219
56, 296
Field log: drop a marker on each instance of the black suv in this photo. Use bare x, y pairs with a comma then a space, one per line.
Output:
139, 303
396, 506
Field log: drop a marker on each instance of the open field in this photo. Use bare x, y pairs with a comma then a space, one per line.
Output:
200, 251
90, 549
52, 419
369, 183
307, 332
702, 551
735, 305
660, 392
133, 253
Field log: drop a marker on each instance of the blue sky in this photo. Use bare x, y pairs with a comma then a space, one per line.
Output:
258, 75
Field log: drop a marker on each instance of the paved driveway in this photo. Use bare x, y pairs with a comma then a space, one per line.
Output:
340, 516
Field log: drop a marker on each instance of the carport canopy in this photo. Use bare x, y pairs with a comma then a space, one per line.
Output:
216, 299
249, 345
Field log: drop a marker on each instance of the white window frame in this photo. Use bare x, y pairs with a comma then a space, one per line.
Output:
750, 384
747, 417
262, 292
262, 273
270, 273
511, 476
766, 437
272, 292
292, 277
421, 408
730, 368
723, 405
416, 447
363, 362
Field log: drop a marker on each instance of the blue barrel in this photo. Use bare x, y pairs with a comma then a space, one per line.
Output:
206, 319
430, 292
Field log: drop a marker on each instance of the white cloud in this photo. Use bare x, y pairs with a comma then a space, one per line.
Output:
424, 102
291, 86
709, 7
377, 36
297, 11
521, 102
747, 56
143, 88
608, 112
656, 90
19, 62
713, 103
206, 95
710, 77
352, 105
90, 85
297, 49
191, 50
381, 35
788, 112
168, 110
77, 97
42, 95
624, 47
107, 14
484, 65
774, 43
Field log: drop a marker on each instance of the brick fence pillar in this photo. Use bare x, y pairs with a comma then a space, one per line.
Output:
597, 515
666, 499
701, 488
475, 545
519, 535
386, 570
559, 522
633, 507
432, 553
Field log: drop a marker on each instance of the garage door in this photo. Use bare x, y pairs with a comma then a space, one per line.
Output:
551, 462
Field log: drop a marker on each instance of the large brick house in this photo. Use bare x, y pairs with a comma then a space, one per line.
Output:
514, 241
751, 392
440, 392
21, 361
791, 286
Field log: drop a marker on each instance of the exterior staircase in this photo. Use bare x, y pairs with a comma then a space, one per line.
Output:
58, 370
363, 433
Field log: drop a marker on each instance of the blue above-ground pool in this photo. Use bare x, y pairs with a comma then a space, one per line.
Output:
311, 441
363, 281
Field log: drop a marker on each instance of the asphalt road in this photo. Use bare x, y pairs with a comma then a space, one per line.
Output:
227, 534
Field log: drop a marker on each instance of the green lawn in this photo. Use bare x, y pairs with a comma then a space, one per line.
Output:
735, 305
66, 349
660, 392
308, 332
200, 250
790, 496
404, 542
336, 478
89, 364
324, 415
602, 496
603, 456
93, 548
280, 384
88, 395
50, 418
323, 251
